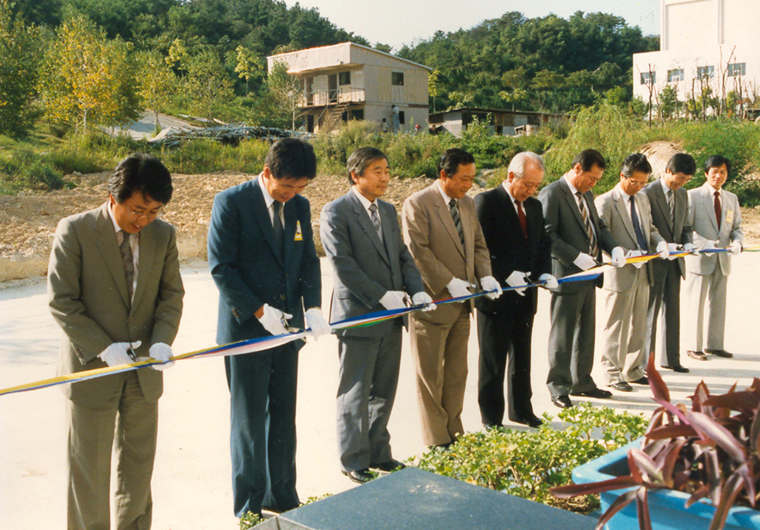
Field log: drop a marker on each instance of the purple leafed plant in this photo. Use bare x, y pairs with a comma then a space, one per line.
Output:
708, 451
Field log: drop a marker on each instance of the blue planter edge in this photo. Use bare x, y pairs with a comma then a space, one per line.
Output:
592, 471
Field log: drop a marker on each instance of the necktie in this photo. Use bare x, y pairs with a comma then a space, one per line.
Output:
672, 206
593, 248
279, 231
523, 219
129, 264
454, 209
637, 227
375, 217
717, 208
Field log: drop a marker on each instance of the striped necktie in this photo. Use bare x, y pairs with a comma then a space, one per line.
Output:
129, 263
454, 209
375, 217
593, 247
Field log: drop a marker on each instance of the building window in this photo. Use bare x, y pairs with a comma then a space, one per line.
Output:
648, 78
344, 78
397, 78
401, 117
675, 75
735, 69
705, 72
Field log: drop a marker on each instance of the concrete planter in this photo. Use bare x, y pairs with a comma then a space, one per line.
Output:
667, 508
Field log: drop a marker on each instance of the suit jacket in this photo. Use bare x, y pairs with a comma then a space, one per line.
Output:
433, 241
614, 208
567, 232
365, 267
673, 229
88, 298
705, 227
509, 250
248, 270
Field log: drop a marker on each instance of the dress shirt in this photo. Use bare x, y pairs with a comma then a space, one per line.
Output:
446, 198
513, 200
134, 243
269, 200
712, 194
578, 200
366, 203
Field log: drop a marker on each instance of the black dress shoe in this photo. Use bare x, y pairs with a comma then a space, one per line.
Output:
562, 402
594, 393
680, 369
640, 381
530, 421
621, 386
720, 353
697, 355
390, 465
360, 476
491, 426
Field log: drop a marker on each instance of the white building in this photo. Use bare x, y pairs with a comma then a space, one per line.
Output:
350, 81
703, 41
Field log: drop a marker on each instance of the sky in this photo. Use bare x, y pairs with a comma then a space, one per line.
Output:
400, 22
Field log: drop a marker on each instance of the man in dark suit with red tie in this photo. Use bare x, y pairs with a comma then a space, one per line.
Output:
513, 226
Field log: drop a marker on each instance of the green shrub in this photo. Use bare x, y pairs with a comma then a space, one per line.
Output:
22, 168
528, 464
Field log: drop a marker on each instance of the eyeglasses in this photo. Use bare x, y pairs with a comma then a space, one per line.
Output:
140, 213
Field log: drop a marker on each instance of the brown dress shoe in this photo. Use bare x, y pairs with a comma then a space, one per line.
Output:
698, 355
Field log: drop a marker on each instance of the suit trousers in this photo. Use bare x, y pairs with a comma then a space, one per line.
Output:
571, 341
625, 331
665, 302
131, 423
263, 429
368, 378
706, 291
440, 356
505, 349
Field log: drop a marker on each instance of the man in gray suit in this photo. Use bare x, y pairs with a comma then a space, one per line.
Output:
670, 213
716, 218
626, 290
114, 288
577, 236
373, 271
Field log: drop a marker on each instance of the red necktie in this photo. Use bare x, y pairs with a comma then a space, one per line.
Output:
523, 219
717, 208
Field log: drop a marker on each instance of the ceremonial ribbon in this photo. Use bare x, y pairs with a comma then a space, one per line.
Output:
266, 343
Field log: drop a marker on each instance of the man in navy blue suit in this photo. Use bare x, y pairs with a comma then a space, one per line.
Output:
262, 258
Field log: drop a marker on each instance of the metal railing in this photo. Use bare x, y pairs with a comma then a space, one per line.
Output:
333, 97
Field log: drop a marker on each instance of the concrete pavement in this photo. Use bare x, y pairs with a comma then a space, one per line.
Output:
191, 484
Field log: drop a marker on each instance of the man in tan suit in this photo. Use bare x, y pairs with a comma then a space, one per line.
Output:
114, 287
446, 241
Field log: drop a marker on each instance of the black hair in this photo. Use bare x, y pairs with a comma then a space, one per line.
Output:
451, 159
635, 162
143, 173
717, 161
682, 163
588, 158
360, 159
291, 158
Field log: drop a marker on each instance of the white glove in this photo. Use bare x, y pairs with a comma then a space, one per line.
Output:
116, 354
688, 247
459, 288
551, 281
162, 352
736, 248
618, 257
422, 298
663, 250
316, 322
672, 247
272, 320
518, 278
489, 283
584, 262
635, 254
394, 300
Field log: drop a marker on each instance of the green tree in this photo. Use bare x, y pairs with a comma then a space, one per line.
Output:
207, 82
287, 91
157, 81
19, 62
668, 102
247, 65
87, 78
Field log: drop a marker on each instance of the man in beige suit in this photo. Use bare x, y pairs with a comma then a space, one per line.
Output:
628, 215
114, 288
444, 237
